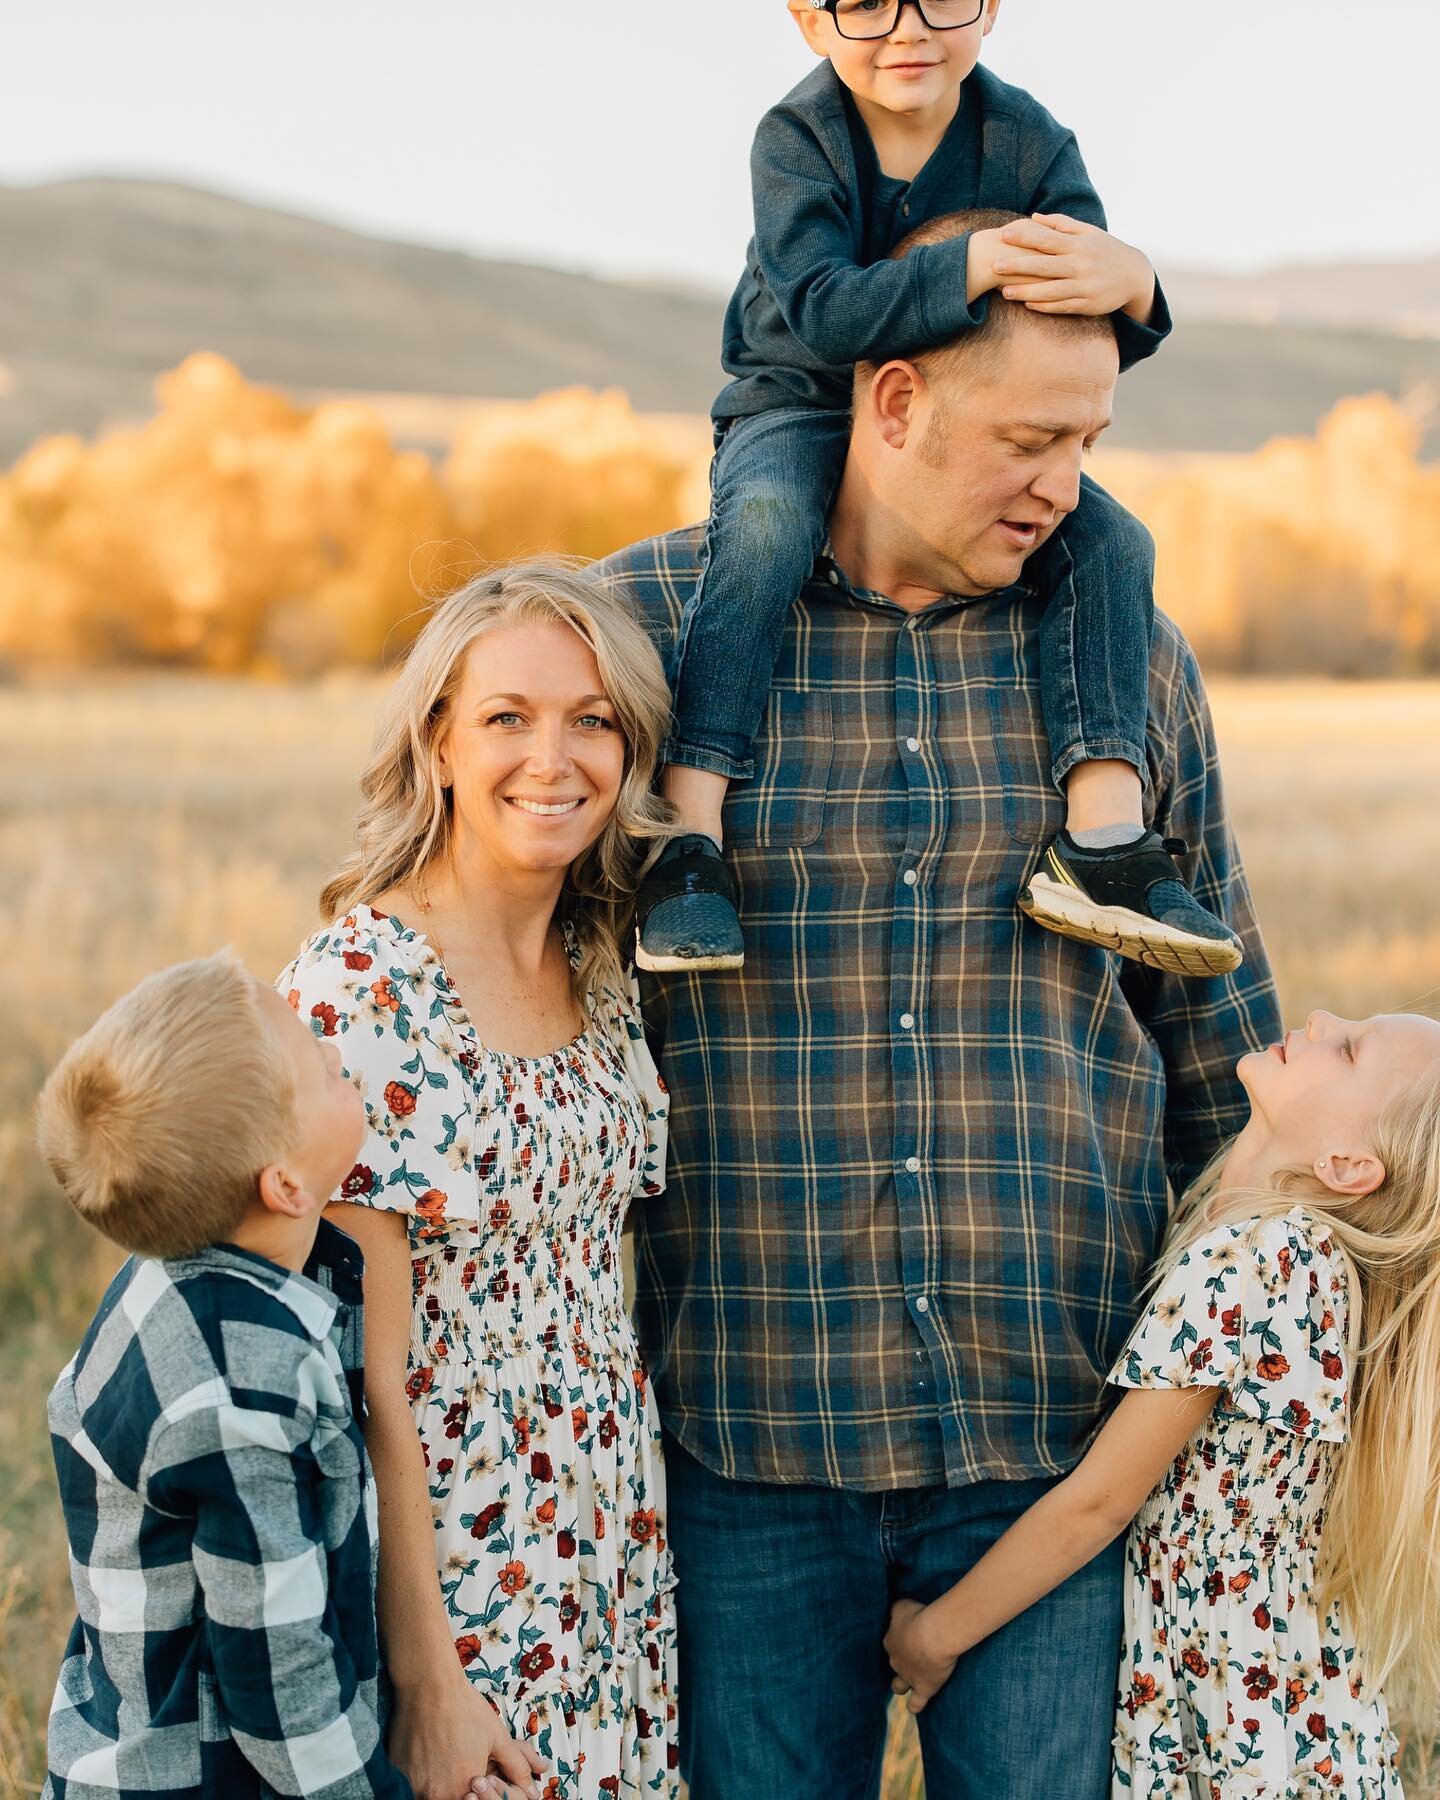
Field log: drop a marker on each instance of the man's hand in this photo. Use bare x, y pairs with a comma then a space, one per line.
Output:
922, 1665
1056, 264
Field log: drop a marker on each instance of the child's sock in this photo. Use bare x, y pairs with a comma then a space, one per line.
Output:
1108, 837
1104, 795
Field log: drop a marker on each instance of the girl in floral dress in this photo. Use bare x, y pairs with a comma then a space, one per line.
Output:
1277, 1457
472, 982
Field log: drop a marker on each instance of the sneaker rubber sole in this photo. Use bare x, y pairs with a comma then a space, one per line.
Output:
1072, 913
681, 965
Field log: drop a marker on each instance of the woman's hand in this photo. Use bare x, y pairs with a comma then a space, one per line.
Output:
922, 1664
453, 1744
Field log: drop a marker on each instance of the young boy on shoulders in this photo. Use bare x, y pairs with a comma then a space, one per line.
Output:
900, 126
207, 1433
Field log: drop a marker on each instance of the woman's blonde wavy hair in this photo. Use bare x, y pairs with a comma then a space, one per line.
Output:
1381, 1546
404, 824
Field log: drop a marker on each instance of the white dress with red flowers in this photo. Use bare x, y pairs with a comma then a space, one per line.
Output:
529, 1393
1233, 1683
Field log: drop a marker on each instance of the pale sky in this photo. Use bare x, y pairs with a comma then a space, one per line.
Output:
613, 135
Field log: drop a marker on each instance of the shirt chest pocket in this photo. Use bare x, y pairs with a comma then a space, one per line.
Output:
784, 806
1032, 807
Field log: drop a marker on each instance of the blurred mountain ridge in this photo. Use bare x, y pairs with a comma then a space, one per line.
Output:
107, 282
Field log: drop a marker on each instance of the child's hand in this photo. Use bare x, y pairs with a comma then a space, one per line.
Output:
440, 1736
922, 1665
1055, 264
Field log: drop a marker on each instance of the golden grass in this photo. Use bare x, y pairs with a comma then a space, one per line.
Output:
146, 820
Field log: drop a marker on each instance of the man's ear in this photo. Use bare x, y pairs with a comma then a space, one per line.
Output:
280, 1192
992, 8
894, 390
1350, 1175
815, 25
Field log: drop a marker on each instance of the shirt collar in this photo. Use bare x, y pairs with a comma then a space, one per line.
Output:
829, 574
331, 1277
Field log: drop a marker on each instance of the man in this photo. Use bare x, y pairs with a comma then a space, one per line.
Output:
919, 1149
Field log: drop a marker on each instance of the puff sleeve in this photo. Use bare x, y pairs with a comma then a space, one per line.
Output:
382, 999
1257, 1308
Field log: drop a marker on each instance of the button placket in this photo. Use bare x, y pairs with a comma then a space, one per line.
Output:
926, 809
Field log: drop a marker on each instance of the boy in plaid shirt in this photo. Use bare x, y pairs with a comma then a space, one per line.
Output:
207, 1433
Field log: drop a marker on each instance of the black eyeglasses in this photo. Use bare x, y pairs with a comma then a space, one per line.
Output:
878, 18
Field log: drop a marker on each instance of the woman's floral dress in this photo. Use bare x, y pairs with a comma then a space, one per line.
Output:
529, 1393
1233, 1683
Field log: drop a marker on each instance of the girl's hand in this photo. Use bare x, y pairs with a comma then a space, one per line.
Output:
922, 1665
1056, 264
454, 1744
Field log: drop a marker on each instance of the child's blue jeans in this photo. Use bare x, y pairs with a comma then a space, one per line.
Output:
771, 485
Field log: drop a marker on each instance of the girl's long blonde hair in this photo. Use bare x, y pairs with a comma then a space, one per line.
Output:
1381, 1552
404, 824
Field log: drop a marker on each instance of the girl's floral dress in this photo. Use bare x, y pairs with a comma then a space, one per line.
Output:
1233, 1683
529, 1392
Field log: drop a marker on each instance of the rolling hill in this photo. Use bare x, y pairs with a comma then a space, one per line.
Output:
104, 283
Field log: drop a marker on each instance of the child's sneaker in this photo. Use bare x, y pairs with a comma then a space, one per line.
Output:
1130, 899
685, 910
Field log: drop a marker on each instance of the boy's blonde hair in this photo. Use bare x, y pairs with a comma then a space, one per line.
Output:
158, 1121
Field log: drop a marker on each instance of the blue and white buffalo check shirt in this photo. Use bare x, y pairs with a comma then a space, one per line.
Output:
919, 1146
221, 1518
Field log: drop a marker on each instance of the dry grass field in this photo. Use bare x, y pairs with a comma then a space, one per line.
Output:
148, 819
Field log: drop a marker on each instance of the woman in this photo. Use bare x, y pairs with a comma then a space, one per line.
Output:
474, 983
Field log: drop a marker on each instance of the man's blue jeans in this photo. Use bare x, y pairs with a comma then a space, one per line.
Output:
784, 1596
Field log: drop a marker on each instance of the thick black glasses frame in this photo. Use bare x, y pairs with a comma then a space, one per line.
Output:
870, 37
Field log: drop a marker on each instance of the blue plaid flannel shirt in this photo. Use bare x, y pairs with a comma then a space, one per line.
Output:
222, 1522
919, 1146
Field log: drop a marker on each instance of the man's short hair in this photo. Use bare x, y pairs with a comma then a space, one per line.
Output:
158, 1121
977, 351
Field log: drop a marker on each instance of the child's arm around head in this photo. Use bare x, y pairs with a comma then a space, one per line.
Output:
1058, 1535
844, 311
805, 243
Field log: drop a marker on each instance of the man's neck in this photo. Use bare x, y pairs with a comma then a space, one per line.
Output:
905, 142
878, 555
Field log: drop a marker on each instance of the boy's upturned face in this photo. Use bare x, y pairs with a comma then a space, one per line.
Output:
328, 1106
912, 70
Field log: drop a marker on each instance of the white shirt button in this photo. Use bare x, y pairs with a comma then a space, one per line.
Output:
922, 1304
907, 1021
912, 1164
910, 878
834, 579
912, 743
